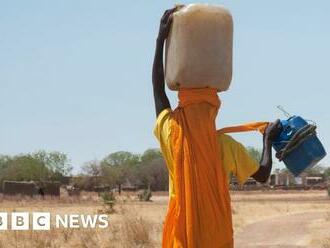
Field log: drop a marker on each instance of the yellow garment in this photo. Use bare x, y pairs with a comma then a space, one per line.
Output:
198, 161
235, 158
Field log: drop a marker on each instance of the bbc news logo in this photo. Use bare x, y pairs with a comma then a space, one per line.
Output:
42, 221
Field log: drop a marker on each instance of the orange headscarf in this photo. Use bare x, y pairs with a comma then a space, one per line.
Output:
200, 213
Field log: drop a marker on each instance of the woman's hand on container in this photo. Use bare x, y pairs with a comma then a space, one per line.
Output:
165, 24
273, 130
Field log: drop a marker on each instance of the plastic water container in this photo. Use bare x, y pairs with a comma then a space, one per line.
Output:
304, 156
199, 48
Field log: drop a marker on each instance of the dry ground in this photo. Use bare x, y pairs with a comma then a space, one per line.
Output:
139, 224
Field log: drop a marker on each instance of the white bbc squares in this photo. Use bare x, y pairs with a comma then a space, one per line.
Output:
20, 221
3, 221
41, 221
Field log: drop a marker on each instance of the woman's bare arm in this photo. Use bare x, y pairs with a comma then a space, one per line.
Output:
271, 132
158, 79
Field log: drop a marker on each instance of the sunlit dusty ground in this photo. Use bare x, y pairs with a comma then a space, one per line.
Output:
140, 223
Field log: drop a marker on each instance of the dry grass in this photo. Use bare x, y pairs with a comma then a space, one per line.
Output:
129, 232
137, 231
320, 231
127, 228
326, 243
139, 224
55, 238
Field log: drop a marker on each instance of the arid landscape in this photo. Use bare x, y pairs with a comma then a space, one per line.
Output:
261, 219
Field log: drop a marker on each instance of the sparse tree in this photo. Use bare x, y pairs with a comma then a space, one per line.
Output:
153, 174
92, 168
116, 167
120, 158
255, 153
40, 166
24, 168
316, 170
56, 162
327, 172
151, 154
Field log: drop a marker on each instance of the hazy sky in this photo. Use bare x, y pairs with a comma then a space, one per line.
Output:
75, 76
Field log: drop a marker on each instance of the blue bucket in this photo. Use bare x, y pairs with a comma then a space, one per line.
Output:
305, 155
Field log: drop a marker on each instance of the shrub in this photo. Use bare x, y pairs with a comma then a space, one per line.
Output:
109, 200
145, 195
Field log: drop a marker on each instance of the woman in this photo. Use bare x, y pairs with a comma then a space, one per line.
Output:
200, 160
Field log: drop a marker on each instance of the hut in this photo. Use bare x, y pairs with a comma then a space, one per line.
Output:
19, 188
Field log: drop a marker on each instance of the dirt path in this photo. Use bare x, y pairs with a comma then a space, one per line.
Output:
290, 231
